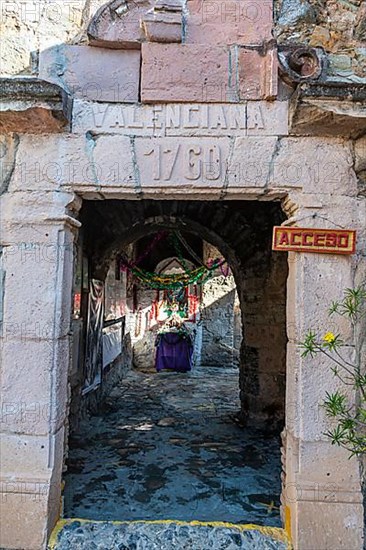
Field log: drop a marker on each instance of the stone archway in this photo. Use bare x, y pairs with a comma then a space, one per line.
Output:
242, 231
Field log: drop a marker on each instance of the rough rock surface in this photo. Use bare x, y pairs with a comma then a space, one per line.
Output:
338, 27
293, 12
162, 536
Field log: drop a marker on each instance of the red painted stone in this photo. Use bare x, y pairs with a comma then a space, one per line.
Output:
257, 74
160, 26
187, 73
94, 74
246, 22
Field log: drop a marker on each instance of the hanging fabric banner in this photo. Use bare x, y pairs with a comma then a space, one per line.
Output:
93, 351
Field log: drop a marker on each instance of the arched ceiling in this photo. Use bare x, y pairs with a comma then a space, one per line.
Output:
241, 230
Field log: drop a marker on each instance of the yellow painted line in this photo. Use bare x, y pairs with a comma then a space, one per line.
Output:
275, 532
288, 521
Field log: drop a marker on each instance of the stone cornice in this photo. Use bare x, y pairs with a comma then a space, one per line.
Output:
30, 105
333, 89
328, 108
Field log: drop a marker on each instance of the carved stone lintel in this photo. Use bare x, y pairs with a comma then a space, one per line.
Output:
301, 64
164, 23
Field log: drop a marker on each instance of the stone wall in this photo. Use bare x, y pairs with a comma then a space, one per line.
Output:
32, 26
143, 332
116, 345
29, 27
337, 26
219, 308
263, 350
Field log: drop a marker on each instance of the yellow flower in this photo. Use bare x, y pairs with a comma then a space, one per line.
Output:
329, 337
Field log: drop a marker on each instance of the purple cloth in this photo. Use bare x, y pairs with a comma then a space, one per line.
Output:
174, 351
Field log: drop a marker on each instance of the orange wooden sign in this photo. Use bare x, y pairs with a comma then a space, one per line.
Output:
321, 241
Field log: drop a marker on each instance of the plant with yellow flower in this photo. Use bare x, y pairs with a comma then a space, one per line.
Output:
350, 416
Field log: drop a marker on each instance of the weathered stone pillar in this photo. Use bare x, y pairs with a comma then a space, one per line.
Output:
37, 253
263, 365
322, 488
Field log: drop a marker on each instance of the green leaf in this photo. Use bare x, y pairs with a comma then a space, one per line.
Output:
310, 344
335, 404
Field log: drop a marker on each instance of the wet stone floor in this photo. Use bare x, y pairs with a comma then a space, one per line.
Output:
168, 448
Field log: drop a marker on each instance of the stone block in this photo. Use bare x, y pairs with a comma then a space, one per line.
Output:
8, 147
34, 385
319, 271
205, 120
293, 408
113, 161
22, 211
267, 118
24, 454
47, 162
24, 520
38, 264
324, 525
230, 22
186, 73
162, 26
323, 464
187, 163
124, 119
255, 118
258, 74
317, 379
93, 74
31, 490
250, 164
317, 165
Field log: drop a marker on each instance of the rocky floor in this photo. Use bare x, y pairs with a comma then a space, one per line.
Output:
168, 448
77, 535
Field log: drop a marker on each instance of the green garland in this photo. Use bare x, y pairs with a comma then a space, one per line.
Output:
196, 276
160, 281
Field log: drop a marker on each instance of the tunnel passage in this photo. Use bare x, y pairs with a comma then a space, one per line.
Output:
241, 231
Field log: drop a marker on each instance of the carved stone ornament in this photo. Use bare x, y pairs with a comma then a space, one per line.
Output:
118, 24
301, 63
125, 24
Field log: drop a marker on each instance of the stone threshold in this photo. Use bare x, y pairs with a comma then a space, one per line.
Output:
166, 534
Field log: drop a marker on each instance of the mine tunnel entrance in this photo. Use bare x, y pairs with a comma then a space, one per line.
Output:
179, 357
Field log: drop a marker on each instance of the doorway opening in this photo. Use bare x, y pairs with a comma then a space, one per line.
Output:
178, 378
